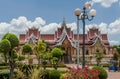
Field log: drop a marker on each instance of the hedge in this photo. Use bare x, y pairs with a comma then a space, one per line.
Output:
4, 74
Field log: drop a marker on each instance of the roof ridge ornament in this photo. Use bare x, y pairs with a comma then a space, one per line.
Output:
94, 28
63, 25
33, 27
32, 38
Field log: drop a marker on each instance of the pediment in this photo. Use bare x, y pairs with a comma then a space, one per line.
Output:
98, 43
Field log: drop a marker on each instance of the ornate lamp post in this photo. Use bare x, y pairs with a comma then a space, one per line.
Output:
77, 13
83, 15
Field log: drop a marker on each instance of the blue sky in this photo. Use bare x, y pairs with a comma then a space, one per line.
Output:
17, 15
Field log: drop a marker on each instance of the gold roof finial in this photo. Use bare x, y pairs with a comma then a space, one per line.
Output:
33, 27
64, 23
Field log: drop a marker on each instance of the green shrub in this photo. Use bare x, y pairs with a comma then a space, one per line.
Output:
4, 74
21, 57
25, 68
103, 72
4, 67
106, 65
54, 74
18, 74
45, 74
36, 73
62, 76
59, 65
2, 64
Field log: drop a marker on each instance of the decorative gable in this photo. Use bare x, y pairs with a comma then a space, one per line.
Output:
64, 36
32, 39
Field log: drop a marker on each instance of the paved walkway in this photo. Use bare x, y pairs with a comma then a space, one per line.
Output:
113, 75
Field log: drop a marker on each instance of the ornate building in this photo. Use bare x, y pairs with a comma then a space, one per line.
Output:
94, 41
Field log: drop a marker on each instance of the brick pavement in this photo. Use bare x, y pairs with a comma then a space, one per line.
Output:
113, 75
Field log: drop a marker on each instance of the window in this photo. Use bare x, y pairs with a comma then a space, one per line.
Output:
87, 52
97, 50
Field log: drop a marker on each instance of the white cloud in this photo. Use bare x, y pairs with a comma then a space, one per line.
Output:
73, 26
20, 25
4, 27
102, 27
39, 21
115, 27
50, 28
112, 28
105, 3
113, 42
115, 24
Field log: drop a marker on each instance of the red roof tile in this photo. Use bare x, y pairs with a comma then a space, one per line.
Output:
80, 37
104, 37
68, 31
92, 32
22, 38
33, 31
59, 32
47, 36
51, 38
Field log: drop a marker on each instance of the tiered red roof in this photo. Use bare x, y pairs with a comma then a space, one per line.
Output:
22, 38
47, 36
92, 35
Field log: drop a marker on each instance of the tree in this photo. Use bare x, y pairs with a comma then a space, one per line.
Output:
63, 54
115, 56
99, 57
49, 57
55, 62
57, 53
12, 38
118, 49
40, 50
5, 47
118, 53
27, 49
14, 42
